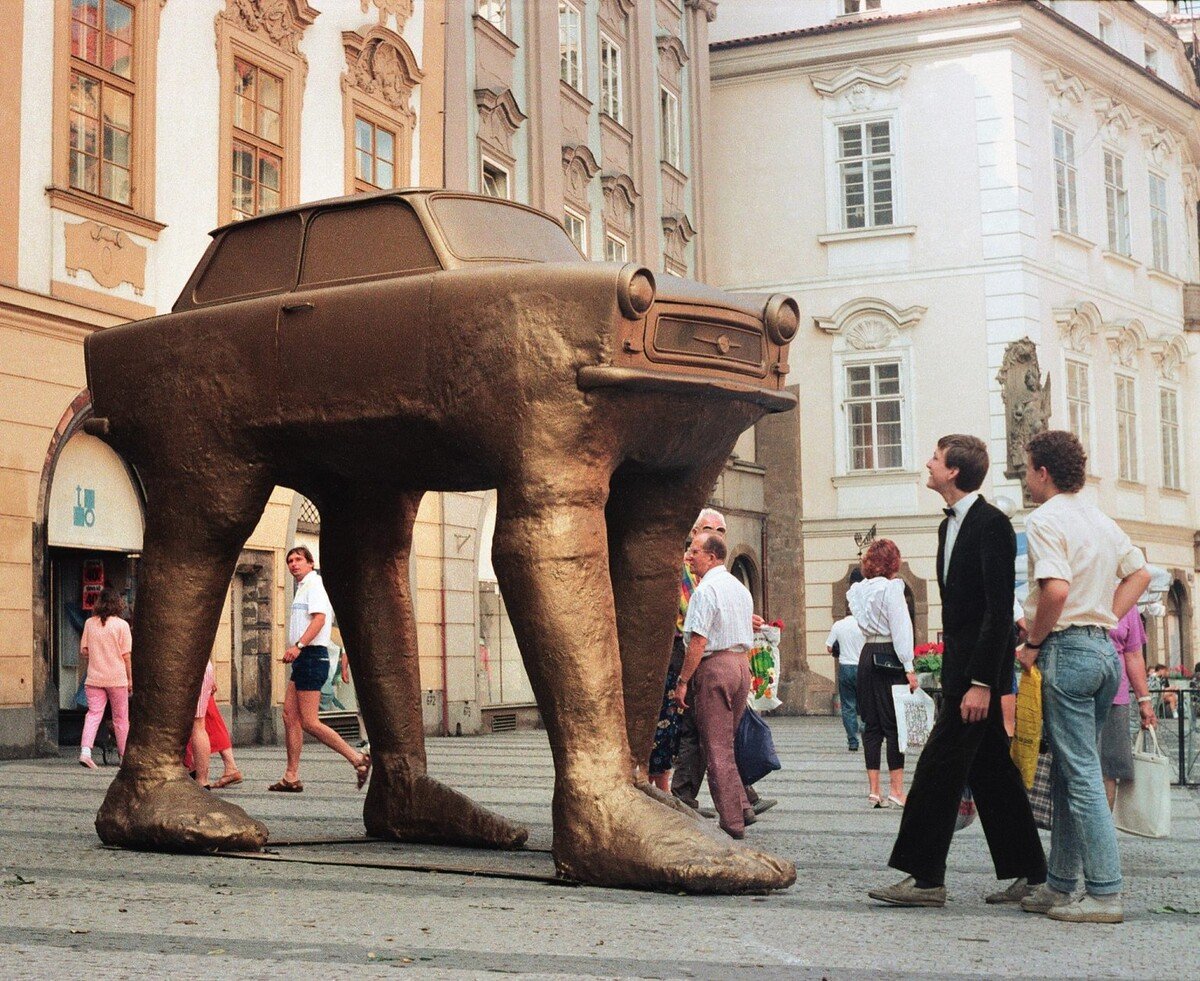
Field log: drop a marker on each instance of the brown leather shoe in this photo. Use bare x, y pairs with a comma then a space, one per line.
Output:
1017, 890
906, 893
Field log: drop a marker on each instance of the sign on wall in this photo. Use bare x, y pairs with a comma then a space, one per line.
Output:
93, 502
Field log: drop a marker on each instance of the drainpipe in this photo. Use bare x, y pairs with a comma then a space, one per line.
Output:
445, 652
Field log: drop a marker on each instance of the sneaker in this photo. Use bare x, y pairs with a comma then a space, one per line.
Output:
1018, 890
748, 817
853, 748
906, 893
85, 760
1045, 898
1090, 909
764, 804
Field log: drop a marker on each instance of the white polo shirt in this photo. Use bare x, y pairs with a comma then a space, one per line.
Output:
1071, 539
309, 600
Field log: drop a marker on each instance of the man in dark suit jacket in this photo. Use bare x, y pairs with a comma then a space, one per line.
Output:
968, 745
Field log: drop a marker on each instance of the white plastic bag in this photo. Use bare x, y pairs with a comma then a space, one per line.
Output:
764, 669
914, 716
1143, 805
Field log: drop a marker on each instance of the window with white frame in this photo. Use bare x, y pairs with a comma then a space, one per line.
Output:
494, 182
668, 103
1079, 402
1168, 422
1127, 458
858, 6
1116, 198
874, 427
495, 12
616, 249
1150, 58
1159, 238
865, 158
576, 226
1106, 28
1066, 198
570, 45
611, 94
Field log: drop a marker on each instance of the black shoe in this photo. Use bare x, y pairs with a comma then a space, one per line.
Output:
764, 804
853, 748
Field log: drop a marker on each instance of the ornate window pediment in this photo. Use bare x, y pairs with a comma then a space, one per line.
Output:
678, 231
615, 12
1125, 341
1170, 357
1065, 90
382, 65
1115, 118
279, 22
579, 167
1160, 144
707, 7
1079, 325
869, 323
499, 117
620, 197
672, 54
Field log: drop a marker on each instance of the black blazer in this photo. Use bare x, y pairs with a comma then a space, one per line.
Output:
977, 600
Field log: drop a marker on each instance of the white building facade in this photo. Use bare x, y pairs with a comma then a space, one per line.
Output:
935, 182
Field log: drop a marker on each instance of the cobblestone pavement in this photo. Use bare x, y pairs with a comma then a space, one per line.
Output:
71, 908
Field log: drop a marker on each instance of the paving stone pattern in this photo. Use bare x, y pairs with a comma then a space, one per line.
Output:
71, 908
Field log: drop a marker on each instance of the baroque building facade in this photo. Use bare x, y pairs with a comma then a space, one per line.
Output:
130, 128
987, 212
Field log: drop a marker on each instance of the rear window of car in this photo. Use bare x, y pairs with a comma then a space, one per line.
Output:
482, 229
253, 259
362, 241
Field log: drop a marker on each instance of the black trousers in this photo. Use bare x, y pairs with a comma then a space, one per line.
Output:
878, 709
958, 755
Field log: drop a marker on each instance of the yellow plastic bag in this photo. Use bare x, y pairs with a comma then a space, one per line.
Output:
1028, 737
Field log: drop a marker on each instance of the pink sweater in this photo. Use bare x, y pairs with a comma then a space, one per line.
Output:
106, 647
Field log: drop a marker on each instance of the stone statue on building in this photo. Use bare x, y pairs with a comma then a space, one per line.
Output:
366, 350
1026, 398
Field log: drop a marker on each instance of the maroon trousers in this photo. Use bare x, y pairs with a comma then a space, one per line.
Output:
719, 699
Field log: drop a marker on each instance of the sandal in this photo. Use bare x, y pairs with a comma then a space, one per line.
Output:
228, 779
363, 770
893, 799
285, 786
876, 801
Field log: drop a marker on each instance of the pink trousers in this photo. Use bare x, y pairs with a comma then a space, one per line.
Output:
722, 684
118, 698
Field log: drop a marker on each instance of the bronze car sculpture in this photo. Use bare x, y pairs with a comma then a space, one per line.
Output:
368, 349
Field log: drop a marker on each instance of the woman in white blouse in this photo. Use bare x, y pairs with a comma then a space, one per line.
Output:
877, 603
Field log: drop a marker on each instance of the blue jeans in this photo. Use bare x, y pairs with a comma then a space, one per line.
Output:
847, 678
1080, 675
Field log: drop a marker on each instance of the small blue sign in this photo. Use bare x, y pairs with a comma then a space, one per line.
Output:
84, 514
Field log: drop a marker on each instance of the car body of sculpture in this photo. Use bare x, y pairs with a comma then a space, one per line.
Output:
366, 350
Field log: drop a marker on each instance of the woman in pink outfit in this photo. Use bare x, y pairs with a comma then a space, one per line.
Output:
104, 660
200, 743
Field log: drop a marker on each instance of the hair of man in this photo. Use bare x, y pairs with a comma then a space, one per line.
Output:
108, 604
300, 550
969, 456
882, 558
713, 516
712, 543
1063, 457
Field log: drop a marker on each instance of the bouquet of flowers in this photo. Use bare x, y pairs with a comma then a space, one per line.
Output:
928, 657
764, 667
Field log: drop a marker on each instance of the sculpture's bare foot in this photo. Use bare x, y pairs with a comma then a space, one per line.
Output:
418, 808
623, 838
173, 814
670, 800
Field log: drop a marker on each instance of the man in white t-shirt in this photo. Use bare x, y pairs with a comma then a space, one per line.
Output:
848, 637
309, 628
1076, 553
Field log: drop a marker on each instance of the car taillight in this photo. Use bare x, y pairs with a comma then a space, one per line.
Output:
781, 318
635, 290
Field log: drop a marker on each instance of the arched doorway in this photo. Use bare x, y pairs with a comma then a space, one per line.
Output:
745, 571
1177, 626
93, 509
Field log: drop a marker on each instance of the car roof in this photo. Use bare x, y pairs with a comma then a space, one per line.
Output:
367, 196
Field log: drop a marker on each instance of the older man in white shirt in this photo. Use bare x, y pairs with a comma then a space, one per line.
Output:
718, 635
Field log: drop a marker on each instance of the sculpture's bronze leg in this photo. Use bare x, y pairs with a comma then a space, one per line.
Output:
194, 532
365, 544
551, 557
649, 516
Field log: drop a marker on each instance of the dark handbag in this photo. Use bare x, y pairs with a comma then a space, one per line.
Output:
754, 749
887, 660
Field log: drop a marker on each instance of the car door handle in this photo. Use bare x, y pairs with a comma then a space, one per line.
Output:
299, 305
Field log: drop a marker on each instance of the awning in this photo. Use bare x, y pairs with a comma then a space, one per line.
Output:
93, 502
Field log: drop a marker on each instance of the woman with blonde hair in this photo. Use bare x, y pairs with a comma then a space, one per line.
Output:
877, 604
105, 650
